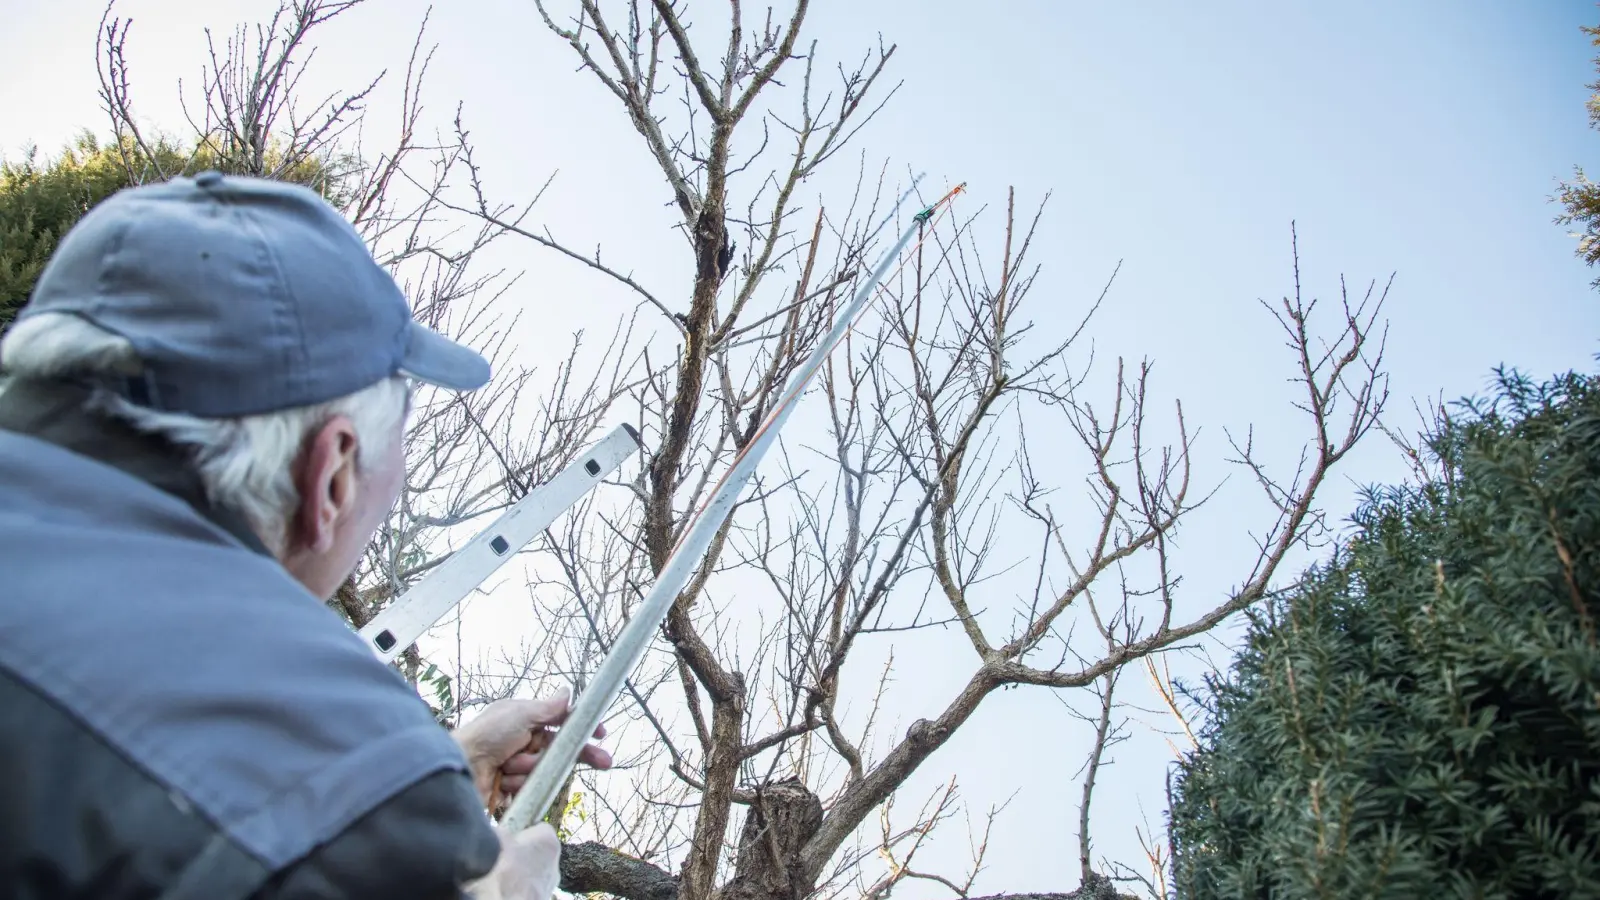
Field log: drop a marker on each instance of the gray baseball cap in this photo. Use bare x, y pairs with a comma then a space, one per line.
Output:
242, 296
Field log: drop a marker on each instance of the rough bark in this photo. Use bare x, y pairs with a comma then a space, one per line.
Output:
784, 817
1096, 887
591, 867
716, 801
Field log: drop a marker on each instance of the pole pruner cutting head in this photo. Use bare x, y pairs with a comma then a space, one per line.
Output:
923, 217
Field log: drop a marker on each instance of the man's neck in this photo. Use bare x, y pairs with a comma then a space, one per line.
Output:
57, 412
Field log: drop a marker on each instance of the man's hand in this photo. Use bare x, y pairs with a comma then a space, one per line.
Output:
529, 867
508, 737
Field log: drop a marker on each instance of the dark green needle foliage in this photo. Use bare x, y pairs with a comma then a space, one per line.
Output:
1421, 716
40, 200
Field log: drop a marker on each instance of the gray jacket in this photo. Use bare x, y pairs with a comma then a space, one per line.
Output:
178, 716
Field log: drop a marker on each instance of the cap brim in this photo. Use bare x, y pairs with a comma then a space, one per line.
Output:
435, 359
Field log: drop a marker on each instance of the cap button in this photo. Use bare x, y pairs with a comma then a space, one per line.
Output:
208, 178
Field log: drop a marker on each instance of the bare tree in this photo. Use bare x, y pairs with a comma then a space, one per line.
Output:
899, 503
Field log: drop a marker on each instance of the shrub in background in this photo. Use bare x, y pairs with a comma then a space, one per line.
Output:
1421, 716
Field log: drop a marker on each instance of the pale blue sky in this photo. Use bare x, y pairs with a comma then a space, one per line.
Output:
1417, 137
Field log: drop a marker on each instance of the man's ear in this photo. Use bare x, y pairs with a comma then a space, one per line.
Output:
327, 483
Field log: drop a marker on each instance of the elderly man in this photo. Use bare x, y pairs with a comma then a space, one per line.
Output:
200, 431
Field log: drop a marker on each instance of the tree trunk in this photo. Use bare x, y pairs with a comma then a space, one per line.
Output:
784, 817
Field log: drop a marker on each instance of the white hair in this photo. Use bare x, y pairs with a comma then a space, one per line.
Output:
244, 463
